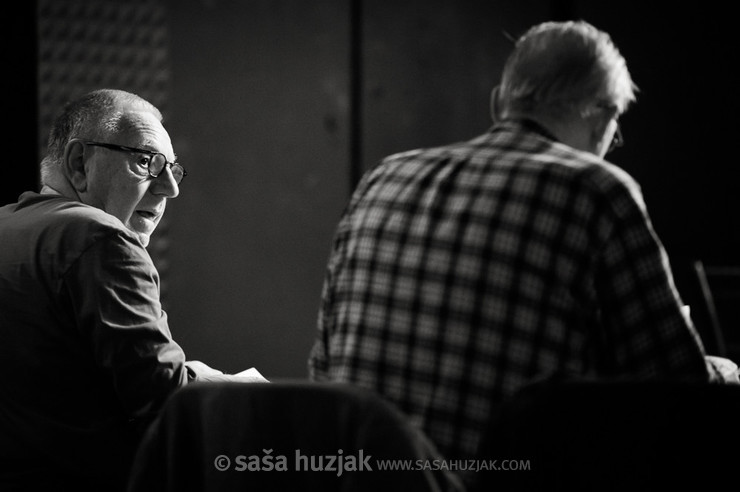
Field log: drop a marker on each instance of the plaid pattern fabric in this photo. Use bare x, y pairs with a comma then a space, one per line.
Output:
461, 273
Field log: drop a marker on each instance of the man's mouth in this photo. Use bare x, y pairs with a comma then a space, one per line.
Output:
147, 214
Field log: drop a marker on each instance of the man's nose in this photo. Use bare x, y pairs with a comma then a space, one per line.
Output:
165, 184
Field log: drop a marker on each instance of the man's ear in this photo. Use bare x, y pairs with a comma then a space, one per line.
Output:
74, 164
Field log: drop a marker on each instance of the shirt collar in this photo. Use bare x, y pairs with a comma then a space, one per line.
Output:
526, 124
536, 127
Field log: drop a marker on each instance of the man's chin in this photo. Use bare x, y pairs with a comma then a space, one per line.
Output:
144, 237
142, 231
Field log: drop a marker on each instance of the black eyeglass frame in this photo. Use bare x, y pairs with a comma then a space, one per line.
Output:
617, 139
123, 148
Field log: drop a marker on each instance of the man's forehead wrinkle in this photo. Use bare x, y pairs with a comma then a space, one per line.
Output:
137, 121
147, 130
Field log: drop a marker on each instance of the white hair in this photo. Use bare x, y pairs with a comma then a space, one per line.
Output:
565, 66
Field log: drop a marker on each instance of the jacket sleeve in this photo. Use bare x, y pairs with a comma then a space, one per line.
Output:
115, 287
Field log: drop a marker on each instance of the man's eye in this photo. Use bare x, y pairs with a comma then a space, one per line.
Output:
144, 160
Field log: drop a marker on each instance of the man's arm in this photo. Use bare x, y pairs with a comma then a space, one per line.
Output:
646, 333
115, 289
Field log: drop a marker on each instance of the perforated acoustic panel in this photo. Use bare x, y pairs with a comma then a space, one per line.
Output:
90, 44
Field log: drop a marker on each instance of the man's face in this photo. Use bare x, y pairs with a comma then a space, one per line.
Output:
117, 182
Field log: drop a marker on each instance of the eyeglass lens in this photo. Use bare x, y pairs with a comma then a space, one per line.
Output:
159, 162
617, 140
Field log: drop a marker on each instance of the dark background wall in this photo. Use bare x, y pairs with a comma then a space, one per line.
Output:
260, 113
276, 107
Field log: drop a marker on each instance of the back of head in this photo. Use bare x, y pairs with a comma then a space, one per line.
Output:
559, 67
95, 115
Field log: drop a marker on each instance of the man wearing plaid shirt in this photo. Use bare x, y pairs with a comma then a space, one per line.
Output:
460, 274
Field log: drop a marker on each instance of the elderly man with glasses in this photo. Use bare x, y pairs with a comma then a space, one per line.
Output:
85, 349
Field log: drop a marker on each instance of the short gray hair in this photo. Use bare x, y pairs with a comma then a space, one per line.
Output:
558, 66
95, 115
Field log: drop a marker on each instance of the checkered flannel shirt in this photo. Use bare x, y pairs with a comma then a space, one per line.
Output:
459, 274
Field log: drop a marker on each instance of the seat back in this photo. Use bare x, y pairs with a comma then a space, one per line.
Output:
585, 436
281, 436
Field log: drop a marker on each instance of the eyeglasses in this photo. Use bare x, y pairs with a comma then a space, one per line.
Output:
617, 139
155, 162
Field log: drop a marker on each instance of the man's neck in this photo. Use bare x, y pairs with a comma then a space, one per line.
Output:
572, 131
58, 185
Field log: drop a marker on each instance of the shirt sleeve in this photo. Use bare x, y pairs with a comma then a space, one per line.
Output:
318, 360
646, 334
115, 288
